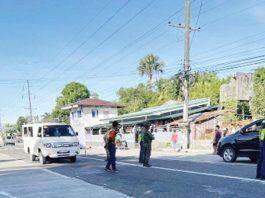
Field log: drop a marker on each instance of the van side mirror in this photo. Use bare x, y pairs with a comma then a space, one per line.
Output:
76, 133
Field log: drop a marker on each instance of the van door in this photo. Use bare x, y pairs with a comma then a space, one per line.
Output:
248, 140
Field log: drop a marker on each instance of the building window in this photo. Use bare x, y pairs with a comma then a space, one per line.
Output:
79, 114
95, 131
94, 113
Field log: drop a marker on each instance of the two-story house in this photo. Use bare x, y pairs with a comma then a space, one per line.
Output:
88, 112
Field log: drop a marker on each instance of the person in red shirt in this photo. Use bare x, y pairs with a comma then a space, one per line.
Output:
112, 146
174, 139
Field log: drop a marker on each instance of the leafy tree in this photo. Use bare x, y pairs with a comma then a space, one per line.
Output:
135, 99
168, 89
71, 93
150, 65
206, 84
20, 121
9, 129
258, 100
46, 117
230, 116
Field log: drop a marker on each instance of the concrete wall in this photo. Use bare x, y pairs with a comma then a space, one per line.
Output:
240, 87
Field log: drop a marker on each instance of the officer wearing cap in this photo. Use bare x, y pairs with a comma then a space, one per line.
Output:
112, 146
261, 163
147, 141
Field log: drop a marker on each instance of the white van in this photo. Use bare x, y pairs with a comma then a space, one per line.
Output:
50, 140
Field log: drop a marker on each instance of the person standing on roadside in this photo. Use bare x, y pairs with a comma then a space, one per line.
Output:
217, 137
112, 147
174, 139
141, 142
147, 140
261, 163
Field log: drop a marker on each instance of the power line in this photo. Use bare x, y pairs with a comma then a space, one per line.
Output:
88, 38
76, 35
105, 40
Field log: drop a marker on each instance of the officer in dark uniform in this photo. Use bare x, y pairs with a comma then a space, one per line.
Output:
147, 141
261, 163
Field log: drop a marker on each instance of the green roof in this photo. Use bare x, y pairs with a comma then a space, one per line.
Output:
170, 109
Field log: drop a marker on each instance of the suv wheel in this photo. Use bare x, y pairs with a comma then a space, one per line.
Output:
229, 154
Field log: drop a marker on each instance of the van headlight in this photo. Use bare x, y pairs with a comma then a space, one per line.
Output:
48, 145
75, 143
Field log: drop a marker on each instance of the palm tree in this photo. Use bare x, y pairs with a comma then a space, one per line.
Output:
150, 65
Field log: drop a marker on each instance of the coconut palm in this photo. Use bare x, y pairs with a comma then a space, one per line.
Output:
150, 66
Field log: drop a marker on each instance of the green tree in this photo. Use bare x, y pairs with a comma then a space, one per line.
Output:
71, 93
149, 66
46, 117
168, 89
135, 98
258, 100
206, 84
230, 116
9, 129
20, 121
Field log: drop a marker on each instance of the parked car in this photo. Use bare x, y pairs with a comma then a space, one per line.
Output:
9, 140
243, 143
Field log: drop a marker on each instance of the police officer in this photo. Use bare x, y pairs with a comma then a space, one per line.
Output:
147, 140
261, 163
141, 142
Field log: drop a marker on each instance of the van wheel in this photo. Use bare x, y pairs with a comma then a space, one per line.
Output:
32, 157
42, 159
229, 154
73, 159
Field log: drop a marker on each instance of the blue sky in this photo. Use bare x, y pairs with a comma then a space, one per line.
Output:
54, 42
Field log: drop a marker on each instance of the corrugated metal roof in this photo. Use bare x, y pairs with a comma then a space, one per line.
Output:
168, 110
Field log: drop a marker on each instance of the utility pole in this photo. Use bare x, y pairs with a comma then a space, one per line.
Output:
30, 107
186, 71
185, 74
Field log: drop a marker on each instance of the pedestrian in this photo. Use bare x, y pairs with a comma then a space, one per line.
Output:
225, 132
174, 139
105, 138
261, 163
141, 142
112, 147
217, 137
147, 140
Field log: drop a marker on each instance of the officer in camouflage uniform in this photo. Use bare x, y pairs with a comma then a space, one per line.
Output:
147, 141
261, 163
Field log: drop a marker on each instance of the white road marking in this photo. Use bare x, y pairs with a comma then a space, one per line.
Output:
6, 194
185, 171
206, 161
55, 173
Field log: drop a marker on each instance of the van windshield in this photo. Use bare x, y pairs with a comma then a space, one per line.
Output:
57, 131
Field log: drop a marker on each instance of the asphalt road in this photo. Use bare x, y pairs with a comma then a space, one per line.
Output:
168, 177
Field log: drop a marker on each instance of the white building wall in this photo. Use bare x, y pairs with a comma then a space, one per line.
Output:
87, 120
